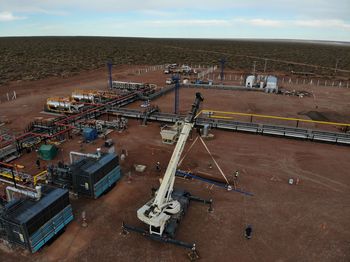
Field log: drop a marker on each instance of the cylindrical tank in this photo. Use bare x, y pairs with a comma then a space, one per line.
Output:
86, 97
58, 104
250, 81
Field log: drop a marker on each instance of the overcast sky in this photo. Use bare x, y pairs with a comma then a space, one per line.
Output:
282, 19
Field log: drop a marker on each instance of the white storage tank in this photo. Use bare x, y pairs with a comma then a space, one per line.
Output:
58, 103
81, 95
271, 84
250, 80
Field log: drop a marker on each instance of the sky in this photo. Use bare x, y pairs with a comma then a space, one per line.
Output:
269, 19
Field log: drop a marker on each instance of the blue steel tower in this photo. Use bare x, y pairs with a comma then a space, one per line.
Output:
109, 65
176, 80
222, 62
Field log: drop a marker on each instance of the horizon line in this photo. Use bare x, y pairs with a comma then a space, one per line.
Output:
190, 38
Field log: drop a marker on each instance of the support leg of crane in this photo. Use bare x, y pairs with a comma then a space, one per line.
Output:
211, 209
204, 201
124, 230
164, 239
198, 199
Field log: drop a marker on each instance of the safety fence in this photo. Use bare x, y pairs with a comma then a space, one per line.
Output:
210, 72
9, 96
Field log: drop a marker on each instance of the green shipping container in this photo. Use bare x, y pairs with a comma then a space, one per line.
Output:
48, 152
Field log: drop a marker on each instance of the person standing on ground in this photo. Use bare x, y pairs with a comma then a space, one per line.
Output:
158, 168
248, 232
37, 163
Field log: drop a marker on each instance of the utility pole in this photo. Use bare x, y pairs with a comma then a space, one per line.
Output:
336, 66
265, 66
254, 66
109, 65
222, 62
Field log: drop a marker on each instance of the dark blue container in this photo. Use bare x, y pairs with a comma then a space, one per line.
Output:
31, 224
92, 177
89, 134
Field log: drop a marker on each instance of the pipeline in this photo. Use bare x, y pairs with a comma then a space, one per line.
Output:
72, 153
35, 195
68, 127
219, 184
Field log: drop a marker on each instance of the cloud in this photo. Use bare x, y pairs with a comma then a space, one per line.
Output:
333, 23
336, 9
8, 17
254, 23
311, 23
318, 19
260, 22
190, 22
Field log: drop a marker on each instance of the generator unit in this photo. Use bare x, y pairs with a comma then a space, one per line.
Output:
31, 223
91, 175
94, 176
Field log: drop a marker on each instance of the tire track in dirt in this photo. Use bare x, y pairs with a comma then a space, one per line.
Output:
293, 170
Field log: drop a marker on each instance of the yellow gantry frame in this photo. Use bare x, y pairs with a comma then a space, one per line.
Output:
40, 176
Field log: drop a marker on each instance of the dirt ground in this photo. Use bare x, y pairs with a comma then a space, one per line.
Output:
304, 222
31, 97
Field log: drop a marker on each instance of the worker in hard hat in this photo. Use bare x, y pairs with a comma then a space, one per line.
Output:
248, 232
158, 167
37, 163
235, 178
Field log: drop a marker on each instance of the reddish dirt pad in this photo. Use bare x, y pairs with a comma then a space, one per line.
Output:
304, 222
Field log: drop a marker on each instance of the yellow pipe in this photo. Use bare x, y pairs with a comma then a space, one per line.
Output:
275, 117
9, 176
222, 117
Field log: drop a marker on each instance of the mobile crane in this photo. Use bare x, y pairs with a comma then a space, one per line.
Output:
164, 211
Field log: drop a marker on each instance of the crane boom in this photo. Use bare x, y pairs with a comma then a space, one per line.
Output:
158, 210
